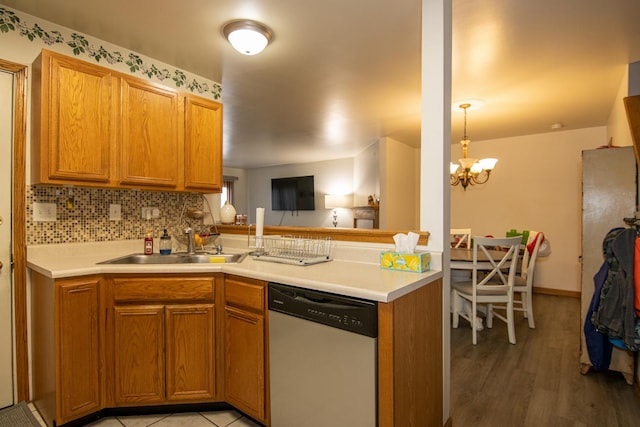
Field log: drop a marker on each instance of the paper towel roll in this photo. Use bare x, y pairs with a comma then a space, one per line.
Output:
259, 221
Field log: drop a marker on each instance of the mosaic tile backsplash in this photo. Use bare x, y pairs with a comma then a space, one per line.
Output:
83, 213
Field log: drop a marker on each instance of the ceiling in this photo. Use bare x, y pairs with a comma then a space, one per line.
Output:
340, 74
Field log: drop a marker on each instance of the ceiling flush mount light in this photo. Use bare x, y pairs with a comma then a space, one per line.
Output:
470, 171
246, 36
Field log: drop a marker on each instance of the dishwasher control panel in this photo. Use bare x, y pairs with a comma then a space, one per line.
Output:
350, 314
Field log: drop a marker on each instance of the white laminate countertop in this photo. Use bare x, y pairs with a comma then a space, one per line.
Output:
354, 270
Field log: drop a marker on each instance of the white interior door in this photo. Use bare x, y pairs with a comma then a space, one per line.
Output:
608, 196
6, 300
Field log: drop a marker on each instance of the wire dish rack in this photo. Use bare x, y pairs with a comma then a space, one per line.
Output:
296, 250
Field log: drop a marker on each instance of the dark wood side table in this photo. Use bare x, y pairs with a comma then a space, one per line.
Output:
371, 213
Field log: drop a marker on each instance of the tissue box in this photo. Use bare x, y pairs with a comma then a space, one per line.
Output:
417, 262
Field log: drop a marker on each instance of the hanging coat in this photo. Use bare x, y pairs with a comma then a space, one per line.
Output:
598, 345
616, 315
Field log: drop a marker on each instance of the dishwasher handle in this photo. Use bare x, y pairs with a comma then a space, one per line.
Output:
317, 300
347, 313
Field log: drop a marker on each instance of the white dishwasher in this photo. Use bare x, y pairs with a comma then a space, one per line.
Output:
322, 358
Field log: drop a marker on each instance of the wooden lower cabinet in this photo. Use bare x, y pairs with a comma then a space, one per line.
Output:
244, 361
244, 346
190, 352
139, 355
164, 353
202, 338
163, 340
67, 345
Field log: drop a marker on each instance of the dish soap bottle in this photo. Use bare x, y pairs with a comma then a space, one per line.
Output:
148, 243
165, 243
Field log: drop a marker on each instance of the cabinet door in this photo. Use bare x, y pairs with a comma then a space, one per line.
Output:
190, 352
151, 149
244, 361
139, 354
202, 144
74, 124
78, 342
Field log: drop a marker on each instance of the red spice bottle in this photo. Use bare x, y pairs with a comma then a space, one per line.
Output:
148, 243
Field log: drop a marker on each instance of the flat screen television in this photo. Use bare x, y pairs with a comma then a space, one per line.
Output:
293, 194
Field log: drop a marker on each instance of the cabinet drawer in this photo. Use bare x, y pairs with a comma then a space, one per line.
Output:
163, 289
243, 292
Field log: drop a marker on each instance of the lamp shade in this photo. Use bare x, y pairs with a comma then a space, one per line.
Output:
467, 163
488, 163
332, 201
246, 36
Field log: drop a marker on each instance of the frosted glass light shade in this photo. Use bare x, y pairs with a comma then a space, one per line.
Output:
246, 36
248, 42
476, 168
467, 163
488, 164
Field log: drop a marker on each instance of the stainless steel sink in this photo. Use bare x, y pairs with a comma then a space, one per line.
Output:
178, 258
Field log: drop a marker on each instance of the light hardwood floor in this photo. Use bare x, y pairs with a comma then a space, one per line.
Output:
536, 382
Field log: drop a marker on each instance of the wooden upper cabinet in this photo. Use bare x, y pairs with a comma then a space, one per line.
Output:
151, 149
73, 110
93, 126
202, 144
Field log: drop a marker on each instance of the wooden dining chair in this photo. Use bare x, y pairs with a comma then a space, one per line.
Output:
460, 237
491, 284
523, 282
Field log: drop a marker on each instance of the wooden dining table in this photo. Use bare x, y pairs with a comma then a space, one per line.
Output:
462, 259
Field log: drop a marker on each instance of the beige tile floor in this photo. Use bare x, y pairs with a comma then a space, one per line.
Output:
190, 419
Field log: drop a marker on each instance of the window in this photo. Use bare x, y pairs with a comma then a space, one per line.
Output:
227, 189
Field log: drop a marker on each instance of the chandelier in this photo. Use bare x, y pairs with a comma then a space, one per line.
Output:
470, 171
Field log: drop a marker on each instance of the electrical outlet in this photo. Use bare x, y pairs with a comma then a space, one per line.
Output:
115, 212
44, 212
150, 213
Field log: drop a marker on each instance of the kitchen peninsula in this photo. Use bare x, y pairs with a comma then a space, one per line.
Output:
409, 373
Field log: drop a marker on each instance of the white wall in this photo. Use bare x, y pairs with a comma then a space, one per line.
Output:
330, 177
366, 174
399, 183
617, 125
435, 118
536, 185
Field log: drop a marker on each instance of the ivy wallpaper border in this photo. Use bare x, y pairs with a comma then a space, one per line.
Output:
80, 45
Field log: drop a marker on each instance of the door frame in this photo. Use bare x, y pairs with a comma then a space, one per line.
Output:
19, 249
